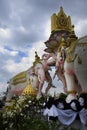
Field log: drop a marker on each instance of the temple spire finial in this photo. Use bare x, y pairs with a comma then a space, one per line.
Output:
37, 59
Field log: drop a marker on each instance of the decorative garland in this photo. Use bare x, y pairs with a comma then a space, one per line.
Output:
66, 113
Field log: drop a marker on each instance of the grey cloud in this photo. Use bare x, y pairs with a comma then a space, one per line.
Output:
4, 9
34, 14
4, 76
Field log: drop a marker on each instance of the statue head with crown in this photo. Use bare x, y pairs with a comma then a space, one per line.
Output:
60, 22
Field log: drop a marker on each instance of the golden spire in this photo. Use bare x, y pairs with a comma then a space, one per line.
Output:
72, 30
60, 21
37, 59
72, 37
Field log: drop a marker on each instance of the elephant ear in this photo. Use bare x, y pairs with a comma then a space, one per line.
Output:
79, 60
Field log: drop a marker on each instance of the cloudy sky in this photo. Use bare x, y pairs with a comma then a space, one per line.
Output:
25, 26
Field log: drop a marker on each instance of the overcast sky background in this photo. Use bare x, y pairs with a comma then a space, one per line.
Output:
25, 26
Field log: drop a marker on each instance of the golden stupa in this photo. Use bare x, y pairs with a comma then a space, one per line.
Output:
29, 90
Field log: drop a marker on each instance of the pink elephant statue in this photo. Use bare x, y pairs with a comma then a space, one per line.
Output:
18, 83
37, 74
57, 60
41, 69
60, 70
75, 68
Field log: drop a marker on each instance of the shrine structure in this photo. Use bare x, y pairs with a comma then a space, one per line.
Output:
68, 54
65, 52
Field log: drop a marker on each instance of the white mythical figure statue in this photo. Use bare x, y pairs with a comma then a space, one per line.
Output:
36, 75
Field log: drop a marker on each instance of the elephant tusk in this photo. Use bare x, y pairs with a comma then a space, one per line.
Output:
40, 80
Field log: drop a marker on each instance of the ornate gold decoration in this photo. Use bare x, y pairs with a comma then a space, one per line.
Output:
72, 37
71, 57
60, 21
19, 81
79, 60
37, 59
62, 44
70, 54
19, 78
71, 92
29, 90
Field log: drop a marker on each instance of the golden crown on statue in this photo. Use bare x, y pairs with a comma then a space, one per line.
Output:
61, 21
